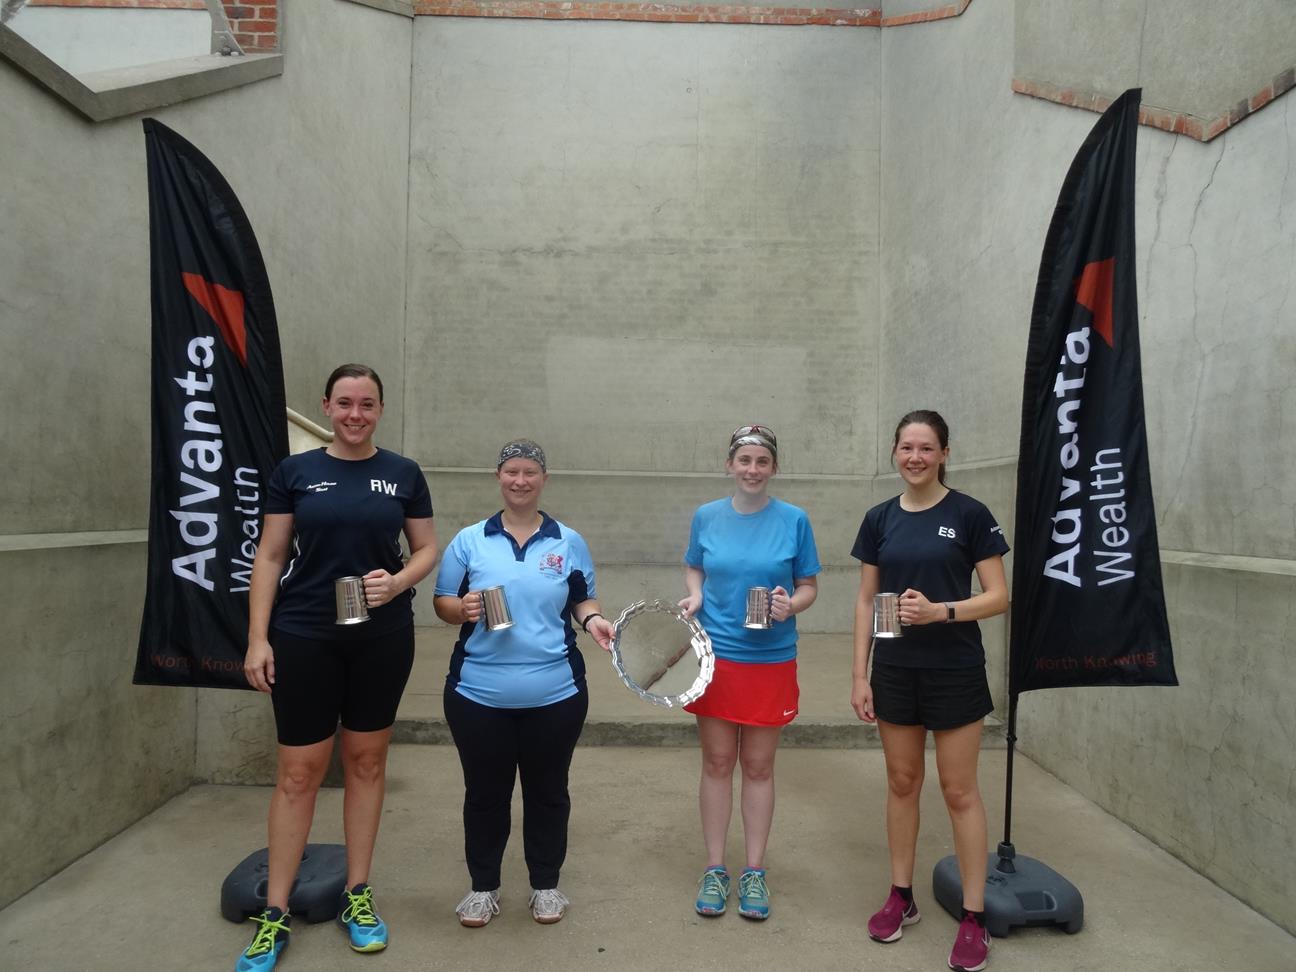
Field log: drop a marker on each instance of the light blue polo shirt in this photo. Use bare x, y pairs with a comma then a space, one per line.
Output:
535, 662
735, 551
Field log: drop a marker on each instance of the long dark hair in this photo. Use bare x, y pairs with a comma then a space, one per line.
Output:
352, 371
924, 416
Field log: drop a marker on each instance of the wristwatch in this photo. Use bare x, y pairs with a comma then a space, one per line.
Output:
949, 612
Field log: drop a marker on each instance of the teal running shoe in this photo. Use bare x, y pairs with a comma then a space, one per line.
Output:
368, 931
270, 939
713, 892
753, 895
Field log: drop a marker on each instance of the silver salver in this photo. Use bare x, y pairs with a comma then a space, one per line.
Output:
662, 656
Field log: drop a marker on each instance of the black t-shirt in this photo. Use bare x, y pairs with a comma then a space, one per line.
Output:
347, 520
933, 551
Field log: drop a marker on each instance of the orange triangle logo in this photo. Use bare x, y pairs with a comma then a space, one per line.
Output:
1094, 291
225, 307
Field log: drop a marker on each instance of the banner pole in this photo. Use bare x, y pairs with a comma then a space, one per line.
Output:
1006, 850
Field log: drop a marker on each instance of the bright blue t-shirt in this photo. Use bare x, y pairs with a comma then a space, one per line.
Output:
735, 551
535, 662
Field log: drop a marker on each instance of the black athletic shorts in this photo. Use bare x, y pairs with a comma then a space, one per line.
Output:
938, 698
358, 681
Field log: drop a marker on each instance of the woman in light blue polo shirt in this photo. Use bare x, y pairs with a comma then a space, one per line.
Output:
515, 698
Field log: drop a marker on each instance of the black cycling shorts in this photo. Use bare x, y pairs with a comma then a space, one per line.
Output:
358, 681
937, 698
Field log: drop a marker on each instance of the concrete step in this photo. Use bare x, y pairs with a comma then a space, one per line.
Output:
618, 717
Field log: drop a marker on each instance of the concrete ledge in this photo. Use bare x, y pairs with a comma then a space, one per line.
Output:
105, 95
619, 718
923, 13
1214, 561
805, 734
401, 8
1201, 128
47, 541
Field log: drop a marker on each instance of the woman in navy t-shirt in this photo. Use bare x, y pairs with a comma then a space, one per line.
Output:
334, 512
924, 545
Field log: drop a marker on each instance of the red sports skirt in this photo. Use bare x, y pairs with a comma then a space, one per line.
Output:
751, 695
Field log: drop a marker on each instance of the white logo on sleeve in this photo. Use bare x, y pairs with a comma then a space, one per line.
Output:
947, 532
382, 486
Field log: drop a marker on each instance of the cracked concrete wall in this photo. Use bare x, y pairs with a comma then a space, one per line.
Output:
625, 241
1208, 769
319, 160
1205, 769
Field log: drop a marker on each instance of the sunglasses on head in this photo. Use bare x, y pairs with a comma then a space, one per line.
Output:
761, 430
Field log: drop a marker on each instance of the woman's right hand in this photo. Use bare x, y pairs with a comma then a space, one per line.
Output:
472, 607
862, 700
258, 665
690, 605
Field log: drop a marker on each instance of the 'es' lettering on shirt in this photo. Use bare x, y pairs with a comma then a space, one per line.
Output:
934, 551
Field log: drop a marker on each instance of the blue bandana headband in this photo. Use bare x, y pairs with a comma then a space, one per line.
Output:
522, 449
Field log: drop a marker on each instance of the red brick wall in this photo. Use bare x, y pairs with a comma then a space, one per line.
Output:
255, 23
652, 12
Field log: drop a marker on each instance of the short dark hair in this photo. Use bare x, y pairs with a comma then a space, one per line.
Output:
353, 371
924, 416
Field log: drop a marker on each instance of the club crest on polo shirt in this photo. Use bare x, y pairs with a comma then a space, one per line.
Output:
551, 563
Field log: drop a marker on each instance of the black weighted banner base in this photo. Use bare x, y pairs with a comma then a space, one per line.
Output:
1019, 891
316, 895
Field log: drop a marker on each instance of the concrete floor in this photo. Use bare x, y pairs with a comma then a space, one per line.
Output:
149, 898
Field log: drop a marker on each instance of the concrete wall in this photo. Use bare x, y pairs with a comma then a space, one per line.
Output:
83, 40
319, 159
1192, 56
1204, 769
625, 241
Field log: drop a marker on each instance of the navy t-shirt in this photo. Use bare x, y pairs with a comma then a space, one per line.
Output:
348, 515
934, 551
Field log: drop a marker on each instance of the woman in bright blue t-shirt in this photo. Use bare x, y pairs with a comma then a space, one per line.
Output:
749, 539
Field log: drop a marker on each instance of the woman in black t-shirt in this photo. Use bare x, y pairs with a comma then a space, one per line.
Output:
924, 544
329, 513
